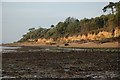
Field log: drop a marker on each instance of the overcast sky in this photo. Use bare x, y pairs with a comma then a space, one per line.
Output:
18, 17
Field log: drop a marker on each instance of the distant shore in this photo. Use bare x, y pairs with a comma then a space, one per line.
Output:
115, 44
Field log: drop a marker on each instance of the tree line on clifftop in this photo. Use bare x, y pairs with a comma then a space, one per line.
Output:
72, 26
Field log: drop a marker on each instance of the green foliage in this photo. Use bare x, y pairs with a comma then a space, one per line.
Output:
52, 26
32, 34
109, 6
72, 27
31, 29
115, 8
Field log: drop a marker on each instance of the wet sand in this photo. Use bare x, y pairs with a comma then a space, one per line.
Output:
114, 44
55, 62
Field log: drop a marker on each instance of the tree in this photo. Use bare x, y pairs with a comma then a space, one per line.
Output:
111, 6
115, 8
52, 26
70, 19
31, 29
74, 27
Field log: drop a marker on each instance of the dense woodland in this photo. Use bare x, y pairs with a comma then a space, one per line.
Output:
72, 26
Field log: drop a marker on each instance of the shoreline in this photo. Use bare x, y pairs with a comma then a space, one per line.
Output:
114, 44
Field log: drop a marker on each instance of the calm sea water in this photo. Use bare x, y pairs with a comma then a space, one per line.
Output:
4, 49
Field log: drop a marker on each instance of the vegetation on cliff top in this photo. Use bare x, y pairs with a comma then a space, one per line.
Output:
72, 26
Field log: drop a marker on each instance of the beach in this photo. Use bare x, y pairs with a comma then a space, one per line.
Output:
114, 44
63, 40
55, 62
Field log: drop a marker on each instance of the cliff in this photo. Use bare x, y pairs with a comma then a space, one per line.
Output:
101, 35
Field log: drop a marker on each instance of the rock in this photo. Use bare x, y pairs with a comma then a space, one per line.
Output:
66, 44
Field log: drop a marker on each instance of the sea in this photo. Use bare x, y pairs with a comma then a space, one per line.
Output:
4, 49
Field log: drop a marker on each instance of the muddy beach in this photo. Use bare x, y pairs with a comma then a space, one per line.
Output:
55, 62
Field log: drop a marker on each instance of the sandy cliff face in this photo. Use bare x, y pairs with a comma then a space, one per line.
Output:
117, 32
45, 40
101, 35
41, 40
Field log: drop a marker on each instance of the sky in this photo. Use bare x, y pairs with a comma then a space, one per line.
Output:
18, 17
